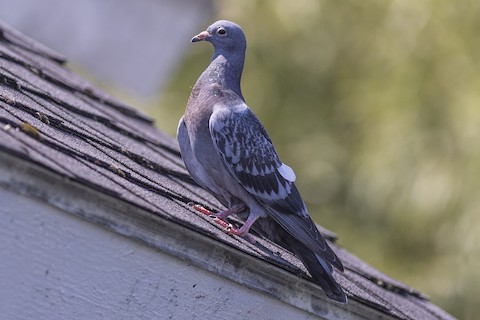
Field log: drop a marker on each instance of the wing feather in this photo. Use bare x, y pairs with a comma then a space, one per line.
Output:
249, 155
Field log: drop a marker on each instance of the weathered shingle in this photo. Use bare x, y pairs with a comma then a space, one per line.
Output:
52, 118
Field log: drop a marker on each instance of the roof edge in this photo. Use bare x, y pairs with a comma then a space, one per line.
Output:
144, 226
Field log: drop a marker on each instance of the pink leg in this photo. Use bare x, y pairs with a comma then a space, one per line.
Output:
219, 218
233, 210
243, 231
221, 215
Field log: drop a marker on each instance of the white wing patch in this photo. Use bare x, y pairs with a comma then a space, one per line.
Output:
287, 173
180, 123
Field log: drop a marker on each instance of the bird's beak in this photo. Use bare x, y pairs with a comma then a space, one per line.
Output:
200, 37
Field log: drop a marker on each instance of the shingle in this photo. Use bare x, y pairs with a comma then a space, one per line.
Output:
55, 119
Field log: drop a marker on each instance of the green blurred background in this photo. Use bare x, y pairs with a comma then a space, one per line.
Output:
375, 104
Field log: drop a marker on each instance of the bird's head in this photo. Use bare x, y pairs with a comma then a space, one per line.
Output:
224, 35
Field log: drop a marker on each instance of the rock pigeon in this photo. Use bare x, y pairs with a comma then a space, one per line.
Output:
228, 152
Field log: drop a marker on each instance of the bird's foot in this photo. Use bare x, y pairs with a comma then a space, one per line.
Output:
224, 224
221, 215
228, 227
212, 215
241, 233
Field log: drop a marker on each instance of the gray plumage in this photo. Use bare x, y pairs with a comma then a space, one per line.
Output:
228, 152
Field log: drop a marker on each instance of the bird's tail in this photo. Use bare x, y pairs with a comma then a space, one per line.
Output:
319, 268
320, 271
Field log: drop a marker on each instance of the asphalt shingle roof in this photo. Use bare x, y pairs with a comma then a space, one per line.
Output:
52, 118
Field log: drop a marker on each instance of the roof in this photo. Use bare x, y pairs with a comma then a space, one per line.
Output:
56, 123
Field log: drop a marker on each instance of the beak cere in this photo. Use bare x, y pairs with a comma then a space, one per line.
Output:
200, 37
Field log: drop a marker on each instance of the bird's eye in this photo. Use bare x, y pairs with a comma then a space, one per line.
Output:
221, 32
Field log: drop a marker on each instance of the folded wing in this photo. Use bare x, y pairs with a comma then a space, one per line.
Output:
249, 156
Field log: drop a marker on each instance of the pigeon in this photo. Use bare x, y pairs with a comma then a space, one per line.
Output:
228, 152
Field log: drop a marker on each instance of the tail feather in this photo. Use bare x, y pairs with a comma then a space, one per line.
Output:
321, 272
319, 268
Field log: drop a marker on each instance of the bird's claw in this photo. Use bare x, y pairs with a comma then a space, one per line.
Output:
245, 235
205, 211
228, 227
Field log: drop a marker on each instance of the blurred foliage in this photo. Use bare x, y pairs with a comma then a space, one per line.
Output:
376, 106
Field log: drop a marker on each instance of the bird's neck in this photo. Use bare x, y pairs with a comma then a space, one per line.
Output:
226, 71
